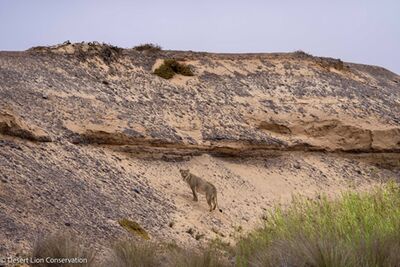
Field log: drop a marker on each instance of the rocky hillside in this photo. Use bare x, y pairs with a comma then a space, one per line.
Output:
89, 136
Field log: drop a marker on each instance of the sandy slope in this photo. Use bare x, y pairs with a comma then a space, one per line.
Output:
249, 187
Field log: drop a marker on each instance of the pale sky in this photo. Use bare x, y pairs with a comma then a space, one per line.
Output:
358, 31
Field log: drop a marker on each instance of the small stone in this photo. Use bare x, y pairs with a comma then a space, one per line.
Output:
67, 224
190, 231
136, 190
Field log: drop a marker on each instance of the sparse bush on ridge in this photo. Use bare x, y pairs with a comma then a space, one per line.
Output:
332, 63
83, 51
170, 67
301, 53
326, 63
109, 53
148, 47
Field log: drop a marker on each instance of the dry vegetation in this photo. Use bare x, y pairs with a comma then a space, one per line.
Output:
108, 53
62, 245
325, 63
302, 54
170, 67
130, 253
134, 228
148, 47
359, 229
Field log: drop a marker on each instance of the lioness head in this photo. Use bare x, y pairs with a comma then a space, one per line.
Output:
184, 172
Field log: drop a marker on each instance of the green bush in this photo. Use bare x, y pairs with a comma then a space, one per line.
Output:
170, 67
360, 229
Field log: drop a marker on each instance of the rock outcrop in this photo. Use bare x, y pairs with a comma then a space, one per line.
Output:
11, 125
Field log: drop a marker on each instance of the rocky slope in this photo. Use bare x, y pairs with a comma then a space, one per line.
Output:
89, 136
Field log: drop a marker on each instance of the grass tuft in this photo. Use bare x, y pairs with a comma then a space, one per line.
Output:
59, 246
131, 253
207, 257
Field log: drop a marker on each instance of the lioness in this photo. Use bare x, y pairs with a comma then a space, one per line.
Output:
199, 185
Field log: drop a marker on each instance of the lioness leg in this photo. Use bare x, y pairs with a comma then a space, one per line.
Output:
214, 202
209, 201
194, 194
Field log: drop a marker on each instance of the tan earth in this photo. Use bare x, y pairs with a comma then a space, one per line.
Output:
89, 136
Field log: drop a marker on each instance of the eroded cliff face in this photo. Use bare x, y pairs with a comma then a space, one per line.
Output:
89, 135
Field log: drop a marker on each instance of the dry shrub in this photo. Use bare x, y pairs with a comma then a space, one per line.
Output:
134, 228
207, 257
106, 52
302, 54
329, 63
130, 253
148, 47
62, 245
109, 53
170, 67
